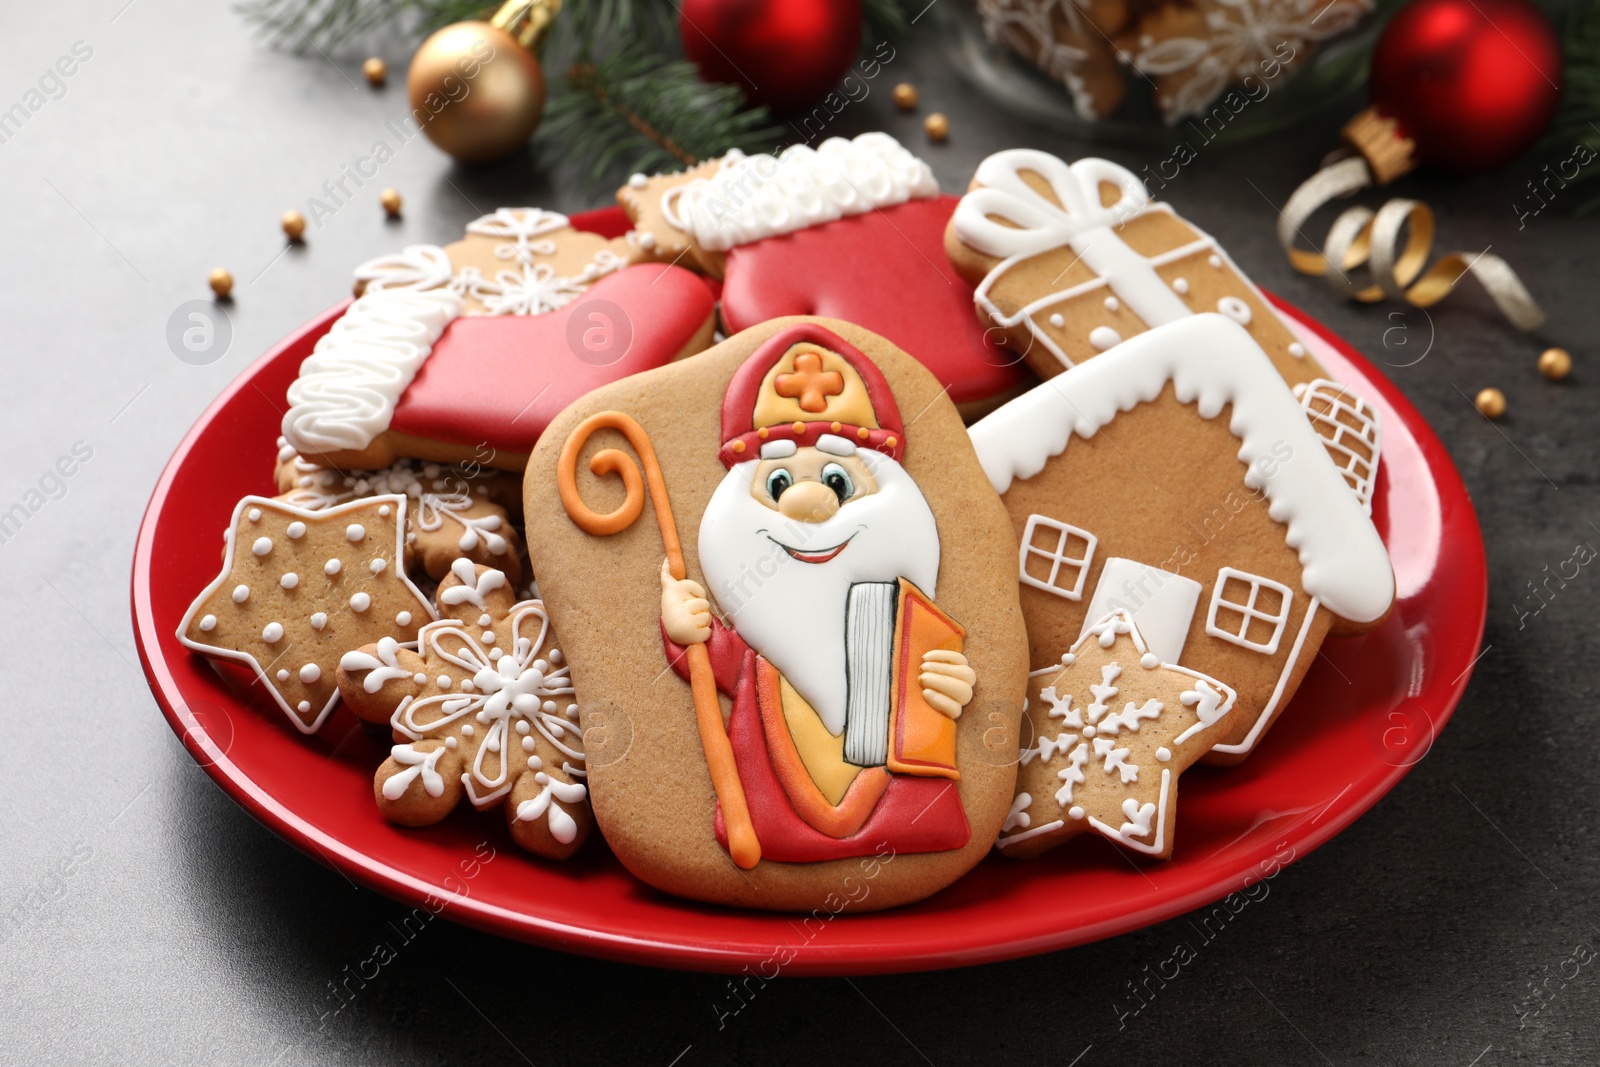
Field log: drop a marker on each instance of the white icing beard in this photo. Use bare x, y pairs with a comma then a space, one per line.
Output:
793, 613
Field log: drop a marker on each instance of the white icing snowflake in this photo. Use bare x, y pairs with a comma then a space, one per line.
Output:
535, 288
417, 267
1243, 35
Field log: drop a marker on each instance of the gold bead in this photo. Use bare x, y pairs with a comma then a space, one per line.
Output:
1492, 402
390, 200
1555, 363
294, 225
221, 282
376, 70
936, 126
358, 287
905, 96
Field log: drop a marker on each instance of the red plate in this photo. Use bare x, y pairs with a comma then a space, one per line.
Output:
1369, 708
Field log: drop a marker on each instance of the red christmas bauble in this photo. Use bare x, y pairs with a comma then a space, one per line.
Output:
1473, 82
785, 53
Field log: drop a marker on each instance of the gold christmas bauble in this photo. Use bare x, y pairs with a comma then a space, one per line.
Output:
1555, 363
476, 92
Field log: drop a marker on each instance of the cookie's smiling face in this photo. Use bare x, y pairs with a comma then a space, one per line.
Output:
812, 486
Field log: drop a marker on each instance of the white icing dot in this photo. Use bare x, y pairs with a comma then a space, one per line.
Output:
319, 620
450, 742
443, 681
272, 633
360, 602
1112, 304
522, 726
255, 514
241, 593
528, 744
1180, 285
331, 567
637, 181
289, 580
354, 532
1104, 337
283, 675
296, 530
1215, 260
383, 512
377, 565
208, 623
310, 673
1235, 309
420, 678
467, 730
1068, 660
647, 241
466, 685
1149, 661
305, 706
555, 655
1297, 350
1058, 320
488, 635
262, 546
1075, 812
485, 620
1163, 753
403, 619
550, 706
1088, 731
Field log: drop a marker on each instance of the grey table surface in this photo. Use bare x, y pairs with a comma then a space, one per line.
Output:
146, 918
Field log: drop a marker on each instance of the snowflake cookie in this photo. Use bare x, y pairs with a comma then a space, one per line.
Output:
454, 513
299, 588
1113, 728
484, 709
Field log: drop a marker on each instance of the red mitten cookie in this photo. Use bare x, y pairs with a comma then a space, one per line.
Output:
885, 271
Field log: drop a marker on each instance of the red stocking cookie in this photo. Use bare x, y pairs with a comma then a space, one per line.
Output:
483, 710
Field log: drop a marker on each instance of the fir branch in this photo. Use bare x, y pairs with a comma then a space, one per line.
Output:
886, 20
639, 111
307, 25
1577, 121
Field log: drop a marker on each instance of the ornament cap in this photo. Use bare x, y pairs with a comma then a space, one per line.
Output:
526, 20
1388, 152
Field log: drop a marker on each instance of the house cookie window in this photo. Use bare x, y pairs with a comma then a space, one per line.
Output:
1248, 610
1055, 557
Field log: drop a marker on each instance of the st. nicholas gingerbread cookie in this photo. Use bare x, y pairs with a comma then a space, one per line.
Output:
1234, 543
766, 528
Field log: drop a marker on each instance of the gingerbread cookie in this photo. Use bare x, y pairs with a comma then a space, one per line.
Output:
299, 588
1235, 544
840, 574
405, 374
1113, 728
451, 515
1070, 260
1070, 41
482, 710
294, 474
649, 201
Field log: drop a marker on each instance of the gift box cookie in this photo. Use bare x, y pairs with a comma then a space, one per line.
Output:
1234, 543
785, 588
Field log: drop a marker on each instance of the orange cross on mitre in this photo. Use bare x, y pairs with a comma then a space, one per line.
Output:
810, 383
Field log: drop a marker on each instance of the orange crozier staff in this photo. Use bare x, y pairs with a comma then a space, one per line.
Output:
742, 843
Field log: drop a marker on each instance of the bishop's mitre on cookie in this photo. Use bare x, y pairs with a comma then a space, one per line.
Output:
786, 591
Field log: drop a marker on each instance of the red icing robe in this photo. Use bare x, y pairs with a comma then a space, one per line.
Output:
903, 812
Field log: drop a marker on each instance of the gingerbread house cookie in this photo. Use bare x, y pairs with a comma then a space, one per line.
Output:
793, 528
1234, 543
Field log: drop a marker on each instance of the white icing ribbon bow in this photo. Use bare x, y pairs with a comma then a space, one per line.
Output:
1004, 216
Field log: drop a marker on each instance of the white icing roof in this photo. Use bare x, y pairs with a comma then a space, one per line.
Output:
1213, 361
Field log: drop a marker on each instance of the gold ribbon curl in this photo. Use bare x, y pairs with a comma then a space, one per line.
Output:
1360, 237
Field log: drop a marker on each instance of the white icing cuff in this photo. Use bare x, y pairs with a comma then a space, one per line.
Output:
752, 197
